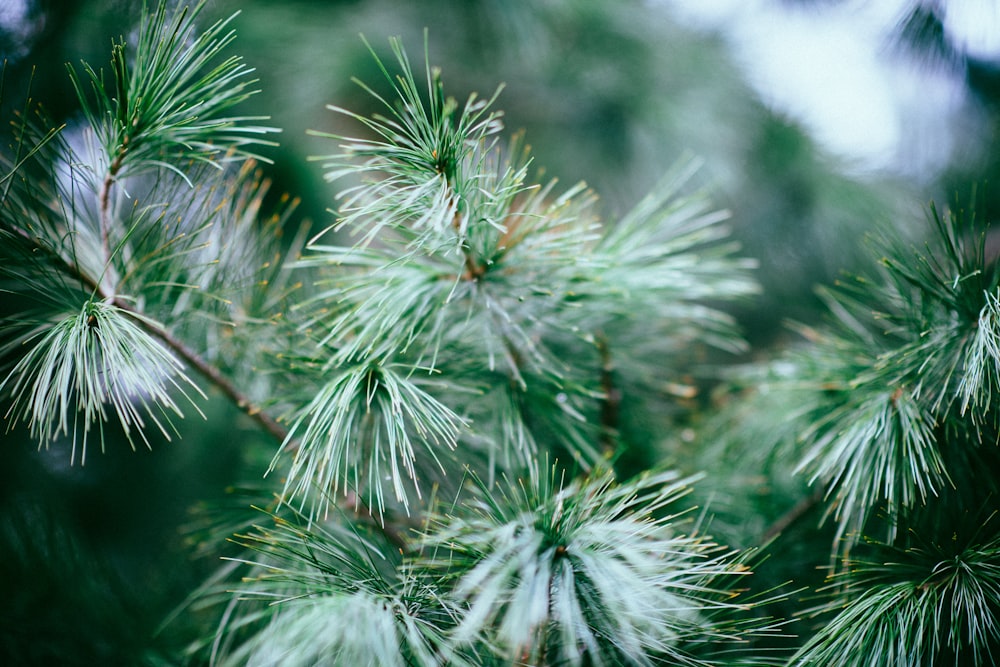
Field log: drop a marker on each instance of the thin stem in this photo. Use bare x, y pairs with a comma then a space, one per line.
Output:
104, 214
210, 372
473, 269
188, 355
213, 375
192, 358
798, 511
612, 397
104, 200
104, 197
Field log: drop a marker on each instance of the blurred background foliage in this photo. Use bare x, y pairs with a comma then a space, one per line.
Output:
612, 93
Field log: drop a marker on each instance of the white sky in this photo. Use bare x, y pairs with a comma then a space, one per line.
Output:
830, 68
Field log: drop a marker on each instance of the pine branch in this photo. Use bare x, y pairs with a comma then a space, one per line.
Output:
888, 406
74, 273
477, 324
370, 412
461, 263
917, 601
589, 571
169, 100
228, 388
611, 397
308, 585
790, 518
209, 371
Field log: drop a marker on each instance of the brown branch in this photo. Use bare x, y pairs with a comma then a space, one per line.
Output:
211, 373
104, 204
104, 201
611, 401
189, 356
277, 430
797, 512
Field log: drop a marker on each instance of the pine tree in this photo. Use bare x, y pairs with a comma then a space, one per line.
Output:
491, 434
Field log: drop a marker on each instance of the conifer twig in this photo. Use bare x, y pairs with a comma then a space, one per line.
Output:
795, 514
215, 376
210, 372
611, 399
104, 202
189, 356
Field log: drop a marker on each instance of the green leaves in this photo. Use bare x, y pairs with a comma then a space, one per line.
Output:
501, 292
123, 270
941, 303
916, 603
363, 431
81, 366
536, 571
980, 375
584, 572
471, 330
169, 97
324, 594
666, 258
898, 397
460, 331
891, 409
427, 155
872, 443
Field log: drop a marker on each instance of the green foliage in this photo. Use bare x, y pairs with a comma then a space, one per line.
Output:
893, 383
586, 572
116, 259
99, 358
372, 408
461, 324
428, 158
466, 332
474, 282
329, 595
169, 96
916, 602
893, 411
